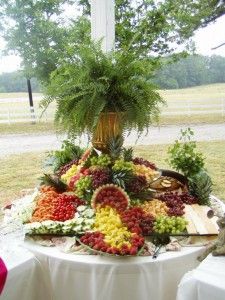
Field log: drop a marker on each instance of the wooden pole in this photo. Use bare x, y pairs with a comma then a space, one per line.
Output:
31, 100
103, 23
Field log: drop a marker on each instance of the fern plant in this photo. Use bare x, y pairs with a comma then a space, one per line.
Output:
91, 82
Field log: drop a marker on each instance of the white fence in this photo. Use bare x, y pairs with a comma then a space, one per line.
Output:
14, 110
199, 107
22, 116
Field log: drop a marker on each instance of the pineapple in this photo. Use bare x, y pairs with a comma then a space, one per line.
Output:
200, 186
120, 178
115, 147
53, 181
128, 154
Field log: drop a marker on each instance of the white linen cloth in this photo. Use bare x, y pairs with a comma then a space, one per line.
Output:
25, 279
89, 277
206, 282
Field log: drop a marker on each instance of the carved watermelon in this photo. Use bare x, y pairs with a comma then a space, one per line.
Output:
88, 154
110, 195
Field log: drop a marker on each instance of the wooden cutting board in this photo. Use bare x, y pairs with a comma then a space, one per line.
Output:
198, 222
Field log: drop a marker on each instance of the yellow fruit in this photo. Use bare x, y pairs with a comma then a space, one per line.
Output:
109, 223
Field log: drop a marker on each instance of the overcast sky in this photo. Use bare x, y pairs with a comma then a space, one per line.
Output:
205, 39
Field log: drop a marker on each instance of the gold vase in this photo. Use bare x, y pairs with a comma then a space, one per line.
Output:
109, 126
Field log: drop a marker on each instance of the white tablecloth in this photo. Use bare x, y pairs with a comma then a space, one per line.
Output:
207, 282
86, 277
25, 279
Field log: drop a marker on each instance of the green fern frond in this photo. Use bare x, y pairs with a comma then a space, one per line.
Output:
91, 82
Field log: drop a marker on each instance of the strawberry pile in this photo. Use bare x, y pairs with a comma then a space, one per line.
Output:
95, 240
137, 220
55, 207
64, 207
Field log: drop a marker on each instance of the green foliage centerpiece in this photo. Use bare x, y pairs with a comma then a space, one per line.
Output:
185, 158
103, 92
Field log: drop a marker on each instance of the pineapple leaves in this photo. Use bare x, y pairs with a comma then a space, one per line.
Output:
54, 181
200, 186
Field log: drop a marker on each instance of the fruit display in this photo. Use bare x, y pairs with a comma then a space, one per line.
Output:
110, 195
109, 202
80, 223
173, 225
116, 238
55, 207
155, 207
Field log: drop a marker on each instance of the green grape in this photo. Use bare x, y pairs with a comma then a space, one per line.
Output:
122, 165
135, 202
102, 161
172, 225
82, 185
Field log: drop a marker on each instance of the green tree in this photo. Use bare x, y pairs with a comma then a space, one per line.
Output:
37, 31
16, 82
217, 69
158, 27
191, 71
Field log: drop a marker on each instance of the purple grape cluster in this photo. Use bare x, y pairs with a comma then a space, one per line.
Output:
136, 184
146, 224
99, 177
188, 199
62, 170
141, 161
174, 203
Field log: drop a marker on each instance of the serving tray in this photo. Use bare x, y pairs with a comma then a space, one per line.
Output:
198, 221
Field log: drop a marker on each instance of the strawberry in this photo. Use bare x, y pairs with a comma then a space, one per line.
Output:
133, 250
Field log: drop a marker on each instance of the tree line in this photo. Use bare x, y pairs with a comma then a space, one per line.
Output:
191, 71
44, 36
188, 72
16, 82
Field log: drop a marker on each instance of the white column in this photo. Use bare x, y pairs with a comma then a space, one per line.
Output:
103, 23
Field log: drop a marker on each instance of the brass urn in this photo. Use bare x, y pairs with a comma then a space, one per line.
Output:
108, 127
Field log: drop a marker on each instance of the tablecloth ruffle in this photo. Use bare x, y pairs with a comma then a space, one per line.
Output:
3, 274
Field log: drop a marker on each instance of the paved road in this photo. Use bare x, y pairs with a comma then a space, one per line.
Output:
20, 143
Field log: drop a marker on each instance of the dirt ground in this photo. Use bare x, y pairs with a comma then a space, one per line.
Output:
20, 143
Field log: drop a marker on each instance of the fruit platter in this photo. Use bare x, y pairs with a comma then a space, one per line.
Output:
111, 204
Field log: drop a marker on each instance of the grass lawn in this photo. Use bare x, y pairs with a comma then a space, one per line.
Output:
28, 128
210, 92
20, 172
194, 119
18, 95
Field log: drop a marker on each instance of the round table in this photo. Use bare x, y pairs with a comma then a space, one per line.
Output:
90, 277
206, 282
25, 279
